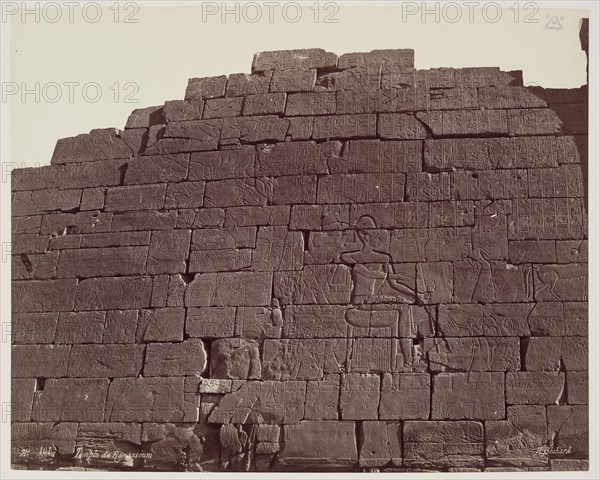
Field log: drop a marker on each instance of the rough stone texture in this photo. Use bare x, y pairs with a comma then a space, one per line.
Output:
537, 388
99, 144
71, 399
175, 359
404, 396
211, 322
235, 358
380, 444
476, 395
41, 442
262, 402
520, 439
40, 361
148, 399
21, 394
320, 444
121, 441
436, 444
106, 360
328, 264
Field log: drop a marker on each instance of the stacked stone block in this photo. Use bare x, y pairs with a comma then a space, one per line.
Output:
182, 288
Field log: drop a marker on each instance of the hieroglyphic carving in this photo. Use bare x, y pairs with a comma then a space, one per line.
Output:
235, 358
259, 322
262, 402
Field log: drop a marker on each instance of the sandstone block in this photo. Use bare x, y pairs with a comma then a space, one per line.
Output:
359, 397
80, 327
99, 144
561, 282
43, 295
516, 441
301, 59
175, 359
344, 126
180, 110
293, 80
106, 360
311, 103
136, 197
210, 322
443, 444
222, 107
381, 444
240, 84
71, 400
235, 358
361, 188
99, 293
538, 388
160, 325
34, 327
102, 262
206, 87
149, 169
302, 359
21, 399
262, 128
168, 251
39, 201
148, 399
40, 361
265, 104
292, 158
262, 402
42, 442
473, 395
483, 354
226, 289
235, 162
404, 396
322, 398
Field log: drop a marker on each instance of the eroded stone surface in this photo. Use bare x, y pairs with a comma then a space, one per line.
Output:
71, 399
473, 395
235, 358
42, 442
175, 359
319, 443
380, 444
520, 439
148, 399
443, 444
262, 402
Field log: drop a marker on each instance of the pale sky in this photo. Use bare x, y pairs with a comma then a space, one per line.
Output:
150, 61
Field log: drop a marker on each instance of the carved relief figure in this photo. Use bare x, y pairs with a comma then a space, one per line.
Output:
375, 283
373, 278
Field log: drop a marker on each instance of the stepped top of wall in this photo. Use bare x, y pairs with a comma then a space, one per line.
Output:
401, 60
287, 90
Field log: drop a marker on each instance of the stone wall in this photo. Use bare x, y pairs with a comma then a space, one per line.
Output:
331, 263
